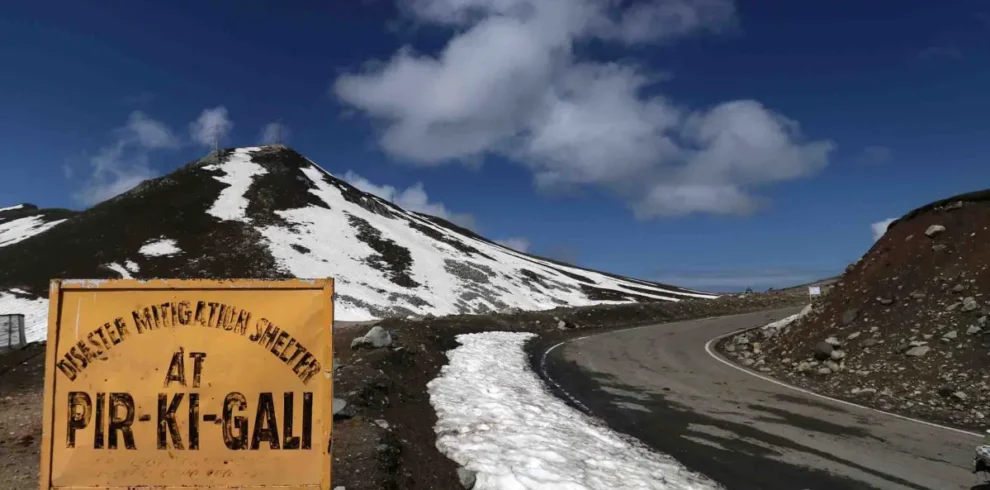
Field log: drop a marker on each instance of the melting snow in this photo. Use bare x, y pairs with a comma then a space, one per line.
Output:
11, 208
35, 313
20, 229
496, 418
239, 172
160, 247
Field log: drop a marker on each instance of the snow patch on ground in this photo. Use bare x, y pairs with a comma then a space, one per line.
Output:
495, 417
239, 173
119, 269
160, 247
11, 208
35, 313
21, 229
132, 267
779, 324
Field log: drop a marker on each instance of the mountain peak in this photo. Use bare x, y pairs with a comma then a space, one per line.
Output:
269, 212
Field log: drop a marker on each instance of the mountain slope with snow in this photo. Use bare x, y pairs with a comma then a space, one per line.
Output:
270, 212
23, 221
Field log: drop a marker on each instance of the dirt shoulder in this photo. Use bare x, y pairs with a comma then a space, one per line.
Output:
384, 436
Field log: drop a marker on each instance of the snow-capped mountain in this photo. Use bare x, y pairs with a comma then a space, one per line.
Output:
270, 212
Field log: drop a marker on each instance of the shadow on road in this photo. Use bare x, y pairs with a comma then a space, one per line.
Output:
738, 455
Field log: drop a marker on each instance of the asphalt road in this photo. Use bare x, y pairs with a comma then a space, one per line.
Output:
659, 385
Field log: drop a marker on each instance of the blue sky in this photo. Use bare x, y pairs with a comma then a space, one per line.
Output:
708, 143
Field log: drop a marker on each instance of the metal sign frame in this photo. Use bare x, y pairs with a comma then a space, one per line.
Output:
321, 435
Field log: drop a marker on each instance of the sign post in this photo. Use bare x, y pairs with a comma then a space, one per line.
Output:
188, 384
814, 291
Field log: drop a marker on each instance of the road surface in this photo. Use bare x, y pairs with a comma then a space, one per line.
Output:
659, 385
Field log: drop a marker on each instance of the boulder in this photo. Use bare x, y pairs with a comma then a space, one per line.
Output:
934, 230
950, 335
973, 330
823, 351
970, 304
467, 478
849, 315
918, 351
834, 342
838, 355
376, 338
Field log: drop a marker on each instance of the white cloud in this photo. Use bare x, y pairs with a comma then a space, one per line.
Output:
413, 198
880, 227
213, 124
519, 244
509, 83
150, 134
274, 132
120, 166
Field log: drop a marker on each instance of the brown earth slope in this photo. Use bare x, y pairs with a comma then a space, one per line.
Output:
905, 329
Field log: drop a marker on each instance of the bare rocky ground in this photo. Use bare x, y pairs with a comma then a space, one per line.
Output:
383, 438
904, 329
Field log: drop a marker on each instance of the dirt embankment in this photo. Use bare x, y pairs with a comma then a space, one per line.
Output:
905, 329
384, 436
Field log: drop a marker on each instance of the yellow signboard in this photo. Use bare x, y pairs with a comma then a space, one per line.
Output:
171, 384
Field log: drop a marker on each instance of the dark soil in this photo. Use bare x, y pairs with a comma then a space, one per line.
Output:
384, 439
909, 288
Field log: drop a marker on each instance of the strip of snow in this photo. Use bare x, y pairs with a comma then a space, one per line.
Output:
21, 229
35, 313
11, 208
239, 173
160, 247
496, 418
119, 269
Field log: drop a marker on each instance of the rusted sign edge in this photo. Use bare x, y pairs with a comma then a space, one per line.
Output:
253, 283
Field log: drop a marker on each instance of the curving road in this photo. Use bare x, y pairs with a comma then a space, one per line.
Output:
660, 385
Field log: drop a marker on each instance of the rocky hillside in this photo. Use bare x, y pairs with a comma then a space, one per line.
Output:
905, 328
270, 212
23, 221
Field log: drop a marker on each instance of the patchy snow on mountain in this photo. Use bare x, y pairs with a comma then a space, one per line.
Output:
11, 208
119, 269
158, 248
496, 418
239, 172
20, 229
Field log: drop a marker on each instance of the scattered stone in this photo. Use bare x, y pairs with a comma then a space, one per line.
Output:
917, 295
867, 391
938, 247
952, 334
853, 336
376, 338
337, 406
918, 351
834, 342
958, 288
934, 230
802, 367
954, 206
973, 330
466, 477
869, 342
748, 362
824, 371
742, 340
959, 396
833, 366
838, 355
884, 301
382, 423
